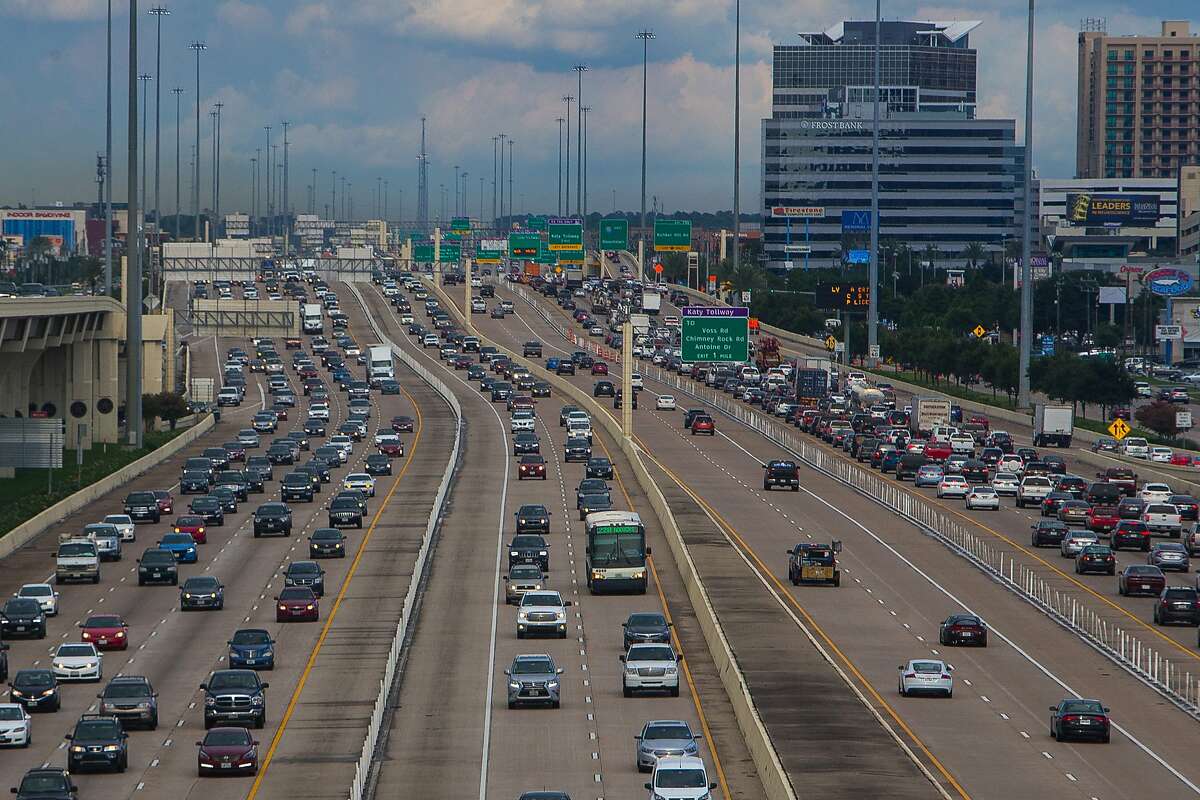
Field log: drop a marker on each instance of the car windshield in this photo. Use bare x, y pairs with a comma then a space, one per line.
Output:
344, 504
97, 729
178, 538
651, 653
37, 590
1082, 707
235, 679
541, 599
646, 621
22, 607
251, 637
11, 714
525, 573
297, 593
667, 730
74, 650
227, 737
532, 666
104, 622
201, 585
118, 689
41, 784
304, 567
528, 541
680, 779
77, 549
927, 666
1172, 547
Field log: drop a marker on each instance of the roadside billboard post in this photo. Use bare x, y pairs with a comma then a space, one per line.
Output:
806, 213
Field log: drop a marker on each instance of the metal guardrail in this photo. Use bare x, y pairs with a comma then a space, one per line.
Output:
363, 768
1174, 683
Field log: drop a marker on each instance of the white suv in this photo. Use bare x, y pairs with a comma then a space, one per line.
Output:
650, 667
680, 778
542, 612
1033, 490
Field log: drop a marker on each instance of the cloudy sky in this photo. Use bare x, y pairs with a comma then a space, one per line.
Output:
354, 77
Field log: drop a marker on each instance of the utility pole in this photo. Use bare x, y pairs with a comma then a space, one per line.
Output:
159, 12
108, 212
568, 99
510, 180
585, 110
1027, 228
873, 300
579, 70
267, 181
217, 173
423, 183
133, 275
737, 121
177, 91
198, 47
502, 138
495, 219
560, 136
212, 117
645, 35
287, 223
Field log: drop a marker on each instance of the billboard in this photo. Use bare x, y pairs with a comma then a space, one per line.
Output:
1112, 209
856, 221
1168, 281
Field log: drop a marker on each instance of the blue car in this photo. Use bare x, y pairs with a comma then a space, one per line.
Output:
181, 545
252, 648
928, 475
552, 362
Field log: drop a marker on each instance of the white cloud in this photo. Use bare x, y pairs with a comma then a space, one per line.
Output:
63, 10
243, 15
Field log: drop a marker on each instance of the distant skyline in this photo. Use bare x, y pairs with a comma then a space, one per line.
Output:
354, 77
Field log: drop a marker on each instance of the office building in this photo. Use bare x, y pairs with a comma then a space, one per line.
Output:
947, 180
1138, 103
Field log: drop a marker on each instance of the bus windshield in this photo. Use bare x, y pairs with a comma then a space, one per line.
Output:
618, 549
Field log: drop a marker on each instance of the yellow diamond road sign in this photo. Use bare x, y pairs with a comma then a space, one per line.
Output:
979, 331
1119, 429
830, 342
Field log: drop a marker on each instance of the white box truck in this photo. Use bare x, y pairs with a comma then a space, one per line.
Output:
311, 320
651, 301
379, 363
1053, 425
928, 413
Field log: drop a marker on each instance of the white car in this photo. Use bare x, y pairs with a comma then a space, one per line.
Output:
1163, 518
1155, 493
359, 482
1005, 483
1142, 389
16, 726
982, 497
1010, 462
542, 612
1161, 455
406, 319
319, 411
522, 421
430, 340
962, 443
650, 667
77, 661
1135, 447
45, 595
665, 402
124, 525
344, 444
680, 778
1075, 541
635, 380
926, 676
953, 486
1033, 490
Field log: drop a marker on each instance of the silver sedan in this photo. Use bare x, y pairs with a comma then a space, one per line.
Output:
664, 737
1075, 541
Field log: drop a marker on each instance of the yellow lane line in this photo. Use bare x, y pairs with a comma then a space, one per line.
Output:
312, 657
766, 573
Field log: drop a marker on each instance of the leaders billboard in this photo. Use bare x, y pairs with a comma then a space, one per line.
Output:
1112, 209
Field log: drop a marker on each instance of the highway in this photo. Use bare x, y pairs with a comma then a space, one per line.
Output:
901, 584
327, 673
471, 744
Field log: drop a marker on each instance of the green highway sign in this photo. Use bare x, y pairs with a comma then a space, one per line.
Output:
570, 257
546, 255
715, 333
490, 256
450, 253
524, 244
614, 234
536, 223
565, 234
422, 252
460, 224
673, 235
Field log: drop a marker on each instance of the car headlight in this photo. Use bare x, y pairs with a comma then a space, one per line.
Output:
513, 553
639, 574
514, 685
77, 748
111, 748
541, 552
210, 702
552, 684
630, 670
522, 615
671, 670
310, 607
257, 700
213, 595
187, 596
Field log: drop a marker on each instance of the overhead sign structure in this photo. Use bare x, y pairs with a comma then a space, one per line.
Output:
524, 244
460, 225
715, 333
856, 221
571, 257
673, 235
1164, 333
614, 234
545, 255
803, 212
422, 252
843, 295
489, 256
565, 234
450, 253
1112, 209
1168, 281
536, 223
1119, 429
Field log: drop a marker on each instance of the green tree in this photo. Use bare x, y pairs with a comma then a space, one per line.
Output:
974, 254
1159, 417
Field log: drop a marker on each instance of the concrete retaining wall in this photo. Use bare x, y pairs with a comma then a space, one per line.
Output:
766, 761
27, 531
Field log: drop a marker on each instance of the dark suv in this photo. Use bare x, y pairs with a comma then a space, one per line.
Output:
781, 473
132, 700
142, 506
1048, 533
157, 566
273, 518
296, 486
1177, 604
533, 518
234, 697
45, 784
23, 616
529, 549
305, 573
99, 742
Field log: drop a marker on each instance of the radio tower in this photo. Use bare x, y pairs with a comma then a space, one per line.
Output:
423, 183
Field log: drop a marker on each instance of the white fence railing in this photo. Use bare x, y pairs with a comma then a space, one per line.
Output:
363, 767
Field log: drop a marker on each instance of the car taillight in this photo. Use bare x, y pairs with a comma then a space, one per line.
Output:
945, 676
1070, 718
910, 674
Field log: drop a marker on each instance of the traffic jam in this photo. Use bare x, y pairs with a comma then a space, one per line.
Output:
312, 461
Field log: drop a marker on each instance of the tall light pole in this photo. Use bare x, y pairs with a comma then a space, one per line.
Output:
268, 181
145, 79
333, 196
198, 47
133, 248
456, 190
737, 120
502, 137
480, 199
510, 179
217, 171
583, 159
108, 173
567, 195
645, 35
560, 137
1027, 228
385, 202
495, 219
466, 212
177, 91
873, 303
287, 225
579, 70
253, 190
159, 12
212, 118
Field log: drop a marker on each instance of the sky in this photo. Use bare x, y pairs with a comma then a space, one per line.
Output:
354, 77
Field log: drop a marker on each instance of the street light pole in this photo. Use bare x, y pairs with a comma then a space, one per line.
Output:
495, 219
502, 137
737, 119
177, 91
560, 136
217, 173
133, 248
579, 70
198, 47
873, 300
287, 227
456, 190
145, 79
568, 99
108, 173
645, 35
1027, 228
510, 177
159, 12
585, 110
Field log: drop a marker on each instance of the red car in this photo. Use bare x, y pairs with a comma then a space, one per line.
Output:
532, 467
1141, 579
193, 525
1102, 519
599, 368
704, 424
1183, 460
297, 603
402, 424
391, 448
106, 631
227, 751
292, 343
307, 372
166, 501
463, 362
